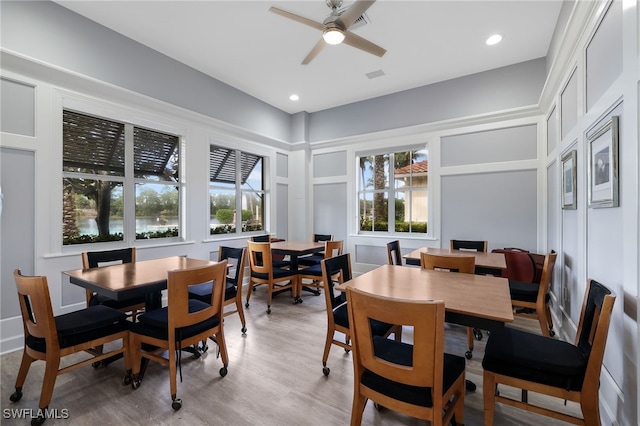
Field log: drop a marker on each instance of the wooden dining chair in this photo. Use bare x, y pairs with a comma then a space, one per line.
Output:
337, 270
183, 323
461, 264
314, 273
49, 339
264, 273
531, 300
93, 259
233, 284
419, 379
277, 260
315, 258
549, 366
393, 253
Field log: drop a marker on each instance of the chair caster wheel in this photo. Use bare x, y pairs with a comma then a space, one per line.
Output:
223, 371
346, 351
203, 348
15, 397
377, 406
468, 354
246, 305
96, 364
477, 334
268, 311
37, 421
127, 380
176, 404
135, 384
326, 371
552, 333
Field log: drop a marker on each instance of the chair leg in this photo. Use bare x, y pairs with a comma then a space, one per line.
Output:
249, 291
176, 403
241, 314
135, 355
25, 364
591, 410
549, 320
542, 319
489, 395
269, 297
222, 347
357, 409
48, 383
459, 408
327, 348
470, 343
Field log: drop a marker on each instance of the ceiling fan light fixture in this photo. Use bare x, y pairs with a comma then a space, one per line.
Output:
333, 35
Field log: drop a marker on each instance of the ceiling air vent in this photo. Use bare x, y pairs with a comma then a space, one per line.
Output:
362, 20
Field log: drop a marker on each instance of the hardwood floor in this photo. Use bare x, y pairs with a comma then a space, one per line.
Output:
275, 378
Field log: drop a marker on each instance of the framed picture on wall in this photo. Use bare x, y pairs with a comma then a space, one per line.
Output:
603, 165
569, 178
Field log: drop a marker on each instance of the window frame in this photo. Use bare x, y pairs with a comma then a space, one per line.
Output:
391, 191
128, 180
239, 188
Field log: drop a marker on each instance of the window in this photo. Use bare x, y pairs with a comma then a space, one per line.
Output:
398, 176
106, 163
236, 184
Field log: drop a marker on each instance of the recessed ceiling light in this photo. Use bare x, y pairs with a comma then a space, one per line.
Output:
294, 97
494, 39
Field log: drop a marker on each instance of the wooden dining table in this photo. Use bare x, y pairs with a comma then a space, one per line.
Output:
480, 301
295, 249
142, 278
487, 261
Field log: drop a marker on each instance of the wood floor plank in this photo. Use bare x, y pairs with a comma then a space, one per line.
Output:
275, 378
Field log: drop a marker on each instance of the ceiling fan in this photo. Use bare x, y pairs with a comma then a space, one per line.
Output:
335, 28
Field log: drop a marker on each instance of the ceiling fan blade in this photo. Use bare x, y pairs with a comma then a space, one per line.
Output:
314, 52
298, 18
353, 12
363, 44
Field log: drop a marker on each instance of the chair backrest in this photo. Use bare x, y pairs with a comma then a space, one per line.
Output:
547, 273
266, 238
462, 264
35, 307
593, 329
480, 246
425, 368
93, 259
318, 238
178, 284
260, 257
393, 253
333, 248
520, 266
235, 258
337, 268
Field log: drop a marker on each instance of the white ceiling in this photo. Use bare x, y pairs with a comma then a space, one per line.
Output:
244, 45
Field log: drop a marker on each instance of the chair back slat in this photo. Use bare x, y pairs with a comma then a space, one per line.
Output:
178, 284
35, 307
93, 259
469, 245
333, 248
318, 238
260, 257
427, 320
462, 264
335, 269
235, 258
393, 253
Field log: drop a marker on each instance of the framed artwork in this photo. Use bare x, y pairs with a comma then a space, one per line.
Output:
569, 178
603, 165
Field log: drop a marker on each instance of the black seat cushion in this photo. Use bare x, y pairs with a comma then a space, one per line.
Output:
311, 260
156, 323
315, 270
535, 358
402, 354
277, 273
526, 292
203, 291
83, 326
341, 317
280, 263
98, 299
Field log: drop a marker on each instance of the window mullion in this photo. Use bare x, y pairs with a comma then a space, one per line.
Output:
238, 208
129, 187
